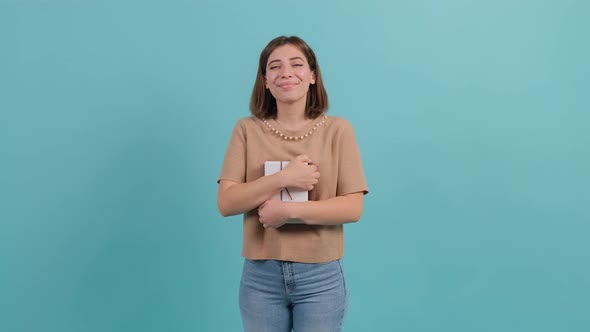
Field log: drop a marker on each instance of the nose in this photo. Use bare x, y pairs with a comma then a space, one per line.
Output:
286, 72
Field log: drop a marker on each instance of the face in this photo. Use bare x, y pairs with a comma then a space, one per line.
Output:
288, 75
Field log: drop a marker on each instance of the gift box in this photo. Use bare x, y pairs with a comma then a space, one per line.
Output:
287, 194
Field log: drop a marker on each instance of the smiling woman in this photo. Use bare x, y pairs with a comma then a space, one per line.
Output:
288, 75
292, 277
288, 61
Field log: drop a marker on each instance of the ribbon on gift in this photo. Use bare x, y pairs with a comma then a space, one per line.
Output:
286, 190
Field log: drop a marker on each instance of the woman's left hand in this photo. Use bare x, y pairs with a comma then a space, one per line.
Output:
273, 213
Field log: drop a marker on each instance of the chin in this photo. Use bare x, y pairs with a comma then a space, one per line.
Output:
289, 99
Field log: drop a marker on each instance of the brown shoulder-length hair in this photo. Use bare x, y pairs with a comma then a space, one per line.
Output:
264, 105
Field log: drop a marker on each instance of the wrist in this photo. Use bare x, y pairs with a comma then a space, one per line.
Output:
291, 209
296, 210
282, 179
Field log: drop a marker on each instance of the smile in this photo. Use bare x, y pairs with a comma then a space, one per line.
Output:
287, 85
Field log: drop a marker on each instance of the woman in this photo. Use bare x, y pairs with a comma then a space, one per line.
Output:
292, 276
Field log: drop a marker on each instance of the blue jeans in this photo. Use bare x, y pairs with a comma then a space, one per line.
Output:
277, 296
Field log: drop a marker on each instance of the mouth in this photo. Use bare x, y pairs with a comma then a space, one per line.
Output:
287, 85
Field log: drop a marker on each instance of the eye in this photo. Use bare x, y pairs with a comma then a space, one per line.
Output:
273, 67
298, 65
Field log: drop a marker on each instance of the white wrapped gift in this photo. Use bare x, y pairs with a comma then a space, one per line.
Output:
286, 194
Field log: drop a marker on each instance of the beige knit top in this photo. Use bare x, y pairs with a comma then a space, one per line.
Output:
332, 147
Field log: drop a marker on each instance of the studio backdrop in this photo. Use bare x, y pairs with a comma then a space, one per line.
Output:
471, 117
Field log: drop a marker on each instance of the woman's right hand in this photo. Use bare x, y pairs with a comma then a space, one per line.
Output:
300, 173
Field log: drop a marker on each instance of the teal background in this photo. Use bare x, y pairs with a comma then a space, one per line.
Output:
472, 119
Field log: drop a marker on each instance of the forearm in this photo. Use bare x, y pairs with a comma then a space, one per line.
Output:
235, 198
333, 211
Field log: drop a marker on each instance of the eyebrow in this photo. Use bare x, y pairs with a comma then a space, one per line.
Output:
290, 59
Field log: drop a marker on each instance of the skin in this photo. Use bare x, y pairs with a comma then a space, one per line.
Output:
288, 77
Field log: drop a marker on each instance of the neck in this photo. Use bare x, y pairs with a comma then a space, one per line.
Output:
292, 116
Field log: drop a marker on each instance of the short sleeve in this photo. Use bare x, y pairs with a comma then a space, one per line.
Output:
351, 177
234, 162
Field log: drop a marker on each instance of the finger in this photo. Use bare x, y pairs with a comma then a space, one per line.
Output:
304, 158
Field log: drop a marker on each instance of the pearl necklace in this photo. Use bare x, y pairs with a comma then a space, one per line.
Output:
294, 138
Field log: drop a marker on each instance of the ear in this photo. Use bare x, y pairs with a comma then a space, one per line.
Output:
312, 79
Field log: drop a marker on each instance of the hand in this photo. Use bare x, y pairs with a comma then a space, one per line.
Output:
300, 174
273, 213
